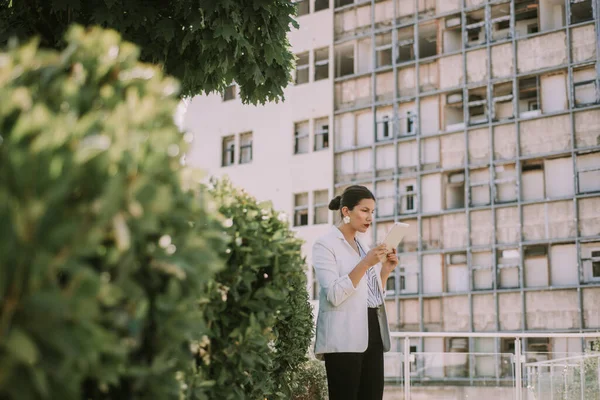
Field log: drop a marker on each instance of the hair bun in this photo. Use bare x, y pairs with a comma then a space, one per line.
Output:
335, 203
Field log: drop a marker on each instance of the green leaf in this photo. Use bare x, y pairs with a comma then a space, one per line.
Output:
22, 347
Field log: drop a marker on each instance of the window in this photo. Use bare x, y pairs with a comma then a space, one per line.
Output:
229, 93
504, 24
581, 11
477, 106
245, 148
532, 28
344, 60
585, 86
301, 137
228, 151
452, 35
390, 286
302, 68
410, 123
384, 128
596, 264
455, 191
538, 345
479, 183
383, 49
321, 5
454, 111
590, 260
427, 40
321, 64
301, 209
409, 199
508, 265
592, 345
406, 50
526, 13
529, 94
321, 200
588, 172
476, 32
505, 183
500, 21
502, 102
341, 3
303, 7
321, 134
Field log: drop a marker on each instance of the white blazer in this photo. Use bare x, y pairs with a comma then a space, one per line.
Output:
342, 323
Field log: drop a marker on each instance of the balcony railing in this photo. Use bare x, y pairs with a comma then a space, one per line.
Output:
510, 375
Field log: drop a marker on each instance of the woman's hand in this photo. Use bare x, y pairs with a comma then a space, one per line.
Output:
375, 255
391, 261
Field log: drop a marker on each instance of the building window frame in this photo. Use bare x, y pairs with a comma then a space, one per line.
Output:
321, 5
302, 68
321, 62
595, 260
246, 148
321, 134
320, 204
302, 7
301, 137
228, 151
230, 92
301, 210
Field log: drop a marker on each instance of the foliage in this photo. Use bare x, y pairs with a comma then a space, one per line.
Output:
103, 255
571, 378
206, 44
310, 382
260, 322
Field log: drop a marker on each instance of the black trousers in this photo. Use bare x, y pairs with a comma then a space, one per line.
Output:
358, 376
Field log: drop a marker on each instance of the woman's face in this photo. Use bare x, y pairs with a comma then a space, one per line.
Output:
361, 216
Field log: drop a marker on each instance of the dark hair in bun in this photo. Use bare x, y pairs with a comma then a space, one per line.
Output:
351, 197
336, 203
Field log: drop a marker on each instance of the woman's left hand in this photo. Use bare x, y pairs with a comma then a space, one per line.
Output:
391, 261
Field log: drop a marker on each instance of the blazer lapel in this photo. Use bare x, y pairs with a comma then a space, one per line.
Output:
345, 244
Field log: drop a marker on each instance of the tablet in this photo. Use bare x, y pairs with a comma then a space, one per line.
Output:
395, 235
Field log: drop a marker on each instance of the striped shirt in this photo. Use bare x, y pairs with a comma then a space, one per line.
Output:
375, 298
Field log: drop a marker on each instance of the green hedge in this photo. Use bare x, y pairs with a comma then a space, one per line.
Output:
108, 257
104, 258
259, 318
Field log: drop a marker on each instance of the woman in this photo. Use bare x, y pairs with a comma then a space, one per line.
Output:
352, 327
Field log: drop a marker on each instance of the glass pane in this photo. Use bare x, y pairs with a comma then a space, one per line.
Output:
321, 215
301, 200
322, 197
303, 7
472, 369
301, 145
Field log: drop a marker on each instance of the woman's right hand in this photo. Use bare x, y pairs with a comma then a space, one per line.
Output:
375, 255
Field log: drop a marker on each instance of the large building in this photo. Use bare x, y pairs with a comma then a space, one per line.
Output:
476, 122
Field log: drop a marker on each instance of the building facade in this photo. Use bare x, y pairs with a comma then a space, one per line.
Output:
477, 122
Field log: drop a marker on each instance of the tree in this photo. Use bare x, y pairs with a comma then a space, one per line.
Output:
206, 44
105, 257
259, 319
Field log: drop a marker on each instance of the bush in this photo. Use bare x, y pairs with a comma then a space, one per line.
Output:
260, 322
310, 382
103, 256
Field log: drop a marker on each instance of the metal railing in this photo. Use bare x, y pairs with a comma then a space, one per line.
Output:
570, 378
509, 371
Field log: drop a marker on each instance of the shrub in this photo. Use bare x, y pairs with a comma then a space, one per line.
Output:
260, 322
103, 256
310, 382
